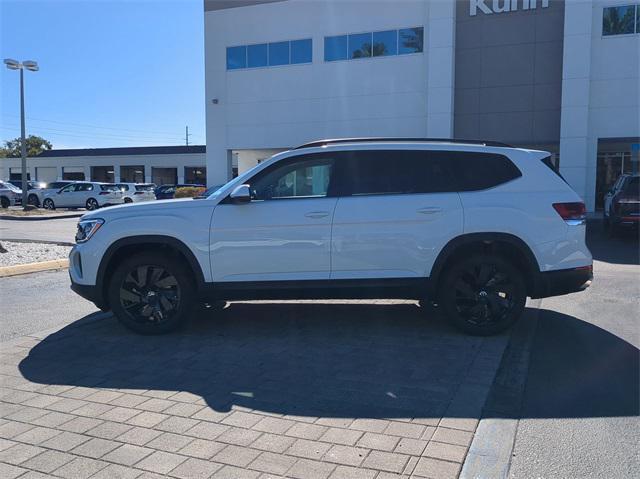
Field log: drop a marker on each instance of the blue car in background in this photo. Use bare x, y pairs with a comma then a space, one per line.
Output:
167, 192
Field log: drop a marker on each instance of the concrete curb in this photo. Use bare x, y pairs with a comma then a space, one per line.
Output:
489, 455
7, 271
40, 217
22, 240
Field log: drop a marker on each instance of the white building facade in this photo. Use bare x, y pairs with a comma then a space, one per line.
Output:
556, 75
146, 164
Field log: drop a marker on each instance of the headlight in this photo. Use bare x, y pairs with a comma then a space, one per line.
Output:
87, 228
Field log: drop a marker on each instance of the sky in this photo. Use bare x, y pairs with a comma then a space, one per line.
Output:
112, 73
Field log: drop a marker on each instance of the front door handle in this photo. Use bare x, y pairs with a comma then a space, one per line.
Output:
317, 214
430, 210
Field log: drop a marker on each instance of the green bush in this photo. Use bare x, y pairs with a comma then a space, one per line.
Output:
189, 192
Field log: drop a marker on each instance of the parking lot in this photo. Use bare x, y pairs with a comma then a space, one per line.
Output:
315, 389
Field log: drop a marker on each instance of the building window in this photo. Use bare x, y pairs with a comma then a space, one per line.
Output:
164, 176
335, 48
374, 44
195, 175
621, 20
73, 173
269, 54
102, 173
132, 174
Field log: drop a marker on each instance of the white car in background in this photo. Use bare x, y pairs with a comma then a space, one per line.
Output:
83, 194
37, 195
9, 195
137, 192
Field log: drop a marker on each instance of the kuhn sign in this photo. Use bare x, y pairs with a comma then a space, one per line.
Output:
489, 7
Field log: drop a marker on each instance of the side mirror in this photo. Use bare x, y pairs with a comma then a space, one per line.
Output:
241, 195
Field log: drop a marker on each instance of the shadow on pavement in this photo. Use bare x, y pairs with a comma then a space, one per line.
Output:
335, 360
623, 248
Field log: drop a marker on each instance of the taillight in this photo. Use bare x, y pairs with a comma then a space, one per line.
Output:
576, 212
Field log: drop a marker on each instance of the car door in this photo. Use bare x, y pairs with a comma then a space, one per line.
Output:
65, 197
284, 232
396, 212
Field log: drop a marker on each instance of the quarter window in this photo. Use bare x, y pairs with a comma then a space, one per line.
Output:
308, 178
620, 20
473, 171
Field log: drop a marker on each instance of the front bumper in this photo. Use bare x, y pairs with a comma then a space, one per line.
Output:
564, 281
89, 292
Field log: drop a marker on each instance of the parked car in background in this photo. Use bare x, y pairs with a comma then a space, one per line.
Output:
31, 184
84, 195
167, 192
209, 191
476, 227
137, 192
9, 195
36, 196
622, 204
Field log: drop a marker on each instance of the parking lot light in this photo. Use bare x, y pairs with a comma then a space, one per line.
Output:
33, 67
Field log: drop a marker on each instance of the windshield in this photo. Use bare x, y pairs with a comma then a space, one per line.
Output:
236, 181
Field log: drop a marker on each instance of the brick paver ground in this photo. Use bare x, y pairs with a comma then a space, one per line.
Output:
302, 390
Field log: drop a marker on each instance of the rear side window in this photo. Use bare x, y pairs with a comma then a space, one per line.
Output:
389, 172
474, 171
144, 187
547, 161
109, 188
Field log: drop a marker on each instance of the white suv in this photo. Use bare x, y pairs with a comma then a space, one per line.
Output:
474, 226
83, 194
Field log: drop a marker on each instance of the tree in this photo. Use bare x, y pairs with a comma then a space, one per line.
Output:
35, 146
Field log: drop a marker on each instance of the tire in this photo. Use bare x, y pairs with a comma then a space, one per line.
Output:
92, 204
48, 204
4, 202
128, 200
151, 293
33, 200
483, 294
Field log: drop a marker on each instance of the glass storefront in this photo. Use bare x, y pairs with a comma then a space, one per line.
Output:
614, 159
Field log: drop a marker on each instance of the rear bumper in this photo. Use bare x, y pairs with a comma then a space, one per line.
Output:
564, 281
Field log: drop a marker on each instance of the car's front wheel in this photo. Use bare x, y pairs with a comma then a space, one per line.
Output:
4, 202
33, 200
48, 204
151, 293
92, 204
483, 294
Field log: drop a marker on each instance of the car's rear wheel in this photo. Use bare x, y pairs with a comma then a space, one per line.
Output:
48, 204
128, 200
33, 200
151, 293
4, 202
483, 294
92, 204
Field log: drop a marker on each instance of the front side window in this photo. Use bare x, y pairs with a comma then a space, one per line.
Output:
69, 188
300, 179
619, 20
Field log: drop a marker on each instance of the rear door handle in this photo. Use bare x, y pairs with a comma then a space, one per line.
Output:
317, 214
430, 210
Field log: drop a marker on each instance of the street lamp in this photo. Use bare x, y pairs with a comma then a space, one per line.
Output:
31, 66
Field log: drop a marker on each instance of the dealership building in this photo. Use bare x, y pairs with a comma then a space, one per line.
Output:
554, 75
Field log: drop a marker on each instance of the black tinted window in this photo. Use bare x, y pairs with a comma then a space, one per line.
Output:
395, 172
474, 171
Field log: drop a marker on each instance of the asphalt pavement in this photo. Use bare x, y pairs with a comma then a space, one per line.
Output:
56, 230
581, 403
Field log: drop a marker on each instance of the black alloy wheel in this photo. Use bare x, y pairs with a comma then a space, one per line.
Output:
92, 204
33, 200
48, 204
483, 295
151, 293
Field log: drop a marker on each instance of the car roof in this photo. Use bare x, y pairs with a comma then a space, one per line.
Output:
372, 140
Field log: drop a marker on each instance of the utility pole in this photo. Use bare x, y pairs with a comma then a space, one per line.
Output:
31, 66
187, 135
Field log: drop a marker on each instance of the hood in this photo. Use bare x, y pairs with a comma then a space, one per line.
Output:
150, 208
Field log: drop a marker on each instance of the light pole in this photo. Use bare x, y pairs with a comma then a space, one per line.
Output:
31, 66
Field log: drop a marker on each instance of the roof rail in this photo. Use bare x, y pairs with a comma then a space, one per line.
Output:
333, 141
